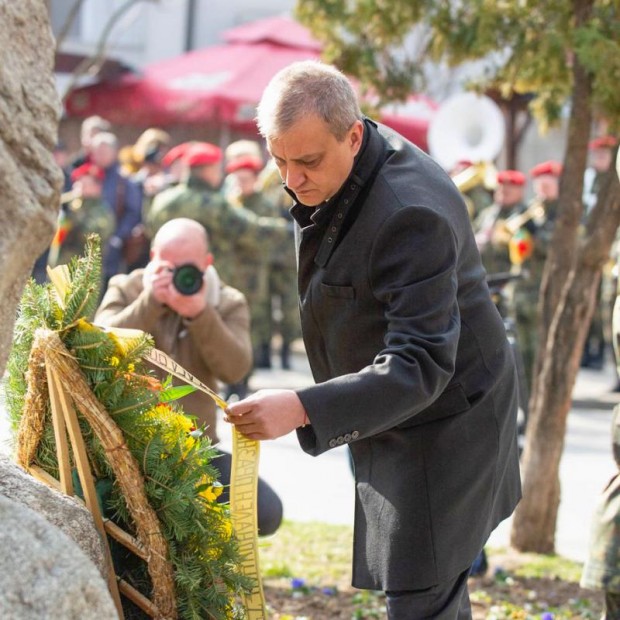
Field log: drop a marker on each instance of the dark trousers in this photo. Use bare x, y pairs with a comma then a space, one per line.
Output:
445, 601
269, 508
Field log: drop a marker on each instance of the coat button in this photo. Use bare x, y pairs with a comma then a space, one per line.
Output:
340, 440
347, 437
355, 434
332, 443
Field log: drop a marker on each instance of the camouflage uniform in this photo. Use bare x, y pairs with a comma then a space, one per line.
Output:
79, 218
234, 232
602, 567
526, 290
252, 276
493, 247
283, 271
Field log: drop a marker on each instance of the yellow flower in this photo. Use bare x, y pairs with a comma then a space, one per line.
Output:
114, 361
131, 367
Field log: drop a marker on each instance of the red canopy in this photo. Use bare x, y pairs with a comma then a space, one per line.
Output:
219, 84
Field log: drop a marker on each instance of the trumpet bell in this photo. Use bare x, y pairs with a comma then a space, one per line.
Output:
467, 126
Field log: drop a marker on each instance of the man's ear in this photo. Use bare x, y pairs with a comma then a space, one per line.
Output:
355, 136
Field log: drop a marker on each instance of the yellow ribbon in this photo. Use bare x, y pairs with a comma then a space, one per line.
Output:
243, 486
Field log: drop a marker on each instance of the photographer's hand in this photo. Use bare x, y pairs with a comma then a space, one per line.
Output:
188, 306
158, 279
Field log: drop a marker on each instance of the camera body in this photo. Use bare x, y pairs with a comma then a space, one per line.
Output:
187, 279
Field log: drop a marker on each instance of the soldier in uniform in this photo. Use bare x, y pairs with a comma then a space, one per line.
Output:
86, 213
538, 225
274, 275
232, 229
252, 277
602, 567
599, 334
492, 236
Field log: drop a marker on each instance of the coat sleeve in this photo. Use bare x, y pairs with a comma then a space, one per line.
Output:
222, 338
412, 270
120, 308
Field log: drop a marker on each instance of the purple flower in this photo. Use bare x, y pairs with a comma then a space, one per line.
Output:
547, 616
329, 591
297, 582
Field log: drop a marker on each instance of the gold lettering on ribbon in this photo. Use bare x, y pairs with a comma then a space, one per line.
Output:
243, 489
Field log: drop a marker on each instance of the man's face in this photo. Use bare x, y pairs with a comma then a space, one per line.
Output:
246, 181
601, 159
546, 187
508, 194
104, 155
312, 162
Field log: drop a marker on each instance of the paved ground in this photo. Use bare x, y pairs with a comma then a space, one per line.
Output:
321, 488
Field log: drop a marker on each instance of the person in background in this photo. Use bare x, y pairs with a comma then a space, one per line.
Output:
122, 195
84, 214
205, 328
235, 231
599, 334
412, 366
492, 236
61, 157
536, 231
90, 127
601, 570
144, 167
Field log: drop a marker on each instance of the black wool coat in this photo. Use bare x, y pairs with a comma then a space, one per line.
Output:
412, 366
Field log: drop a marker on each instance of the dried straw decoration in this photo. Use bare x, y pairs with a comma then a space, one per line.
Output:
49, 347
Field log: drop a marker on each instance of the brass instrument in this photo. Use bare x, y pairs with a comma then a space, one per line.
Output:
481, 173
506, 229
535, 211
66, 197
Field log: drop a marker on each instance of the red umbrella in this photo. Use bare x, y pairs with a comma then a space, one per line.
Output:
219, 84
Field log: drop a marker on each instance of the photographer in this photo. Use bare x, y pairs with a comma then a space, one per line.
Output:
196, 319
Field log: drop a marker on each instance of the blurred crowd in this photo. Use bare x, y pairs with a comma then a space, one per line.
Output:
126, 194
513, 235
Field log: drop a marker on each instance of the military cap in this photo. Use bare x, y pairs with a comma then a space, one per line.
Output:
202, 154
247, 162
175, 153
554, 168
602, 142
94, 171
511, 176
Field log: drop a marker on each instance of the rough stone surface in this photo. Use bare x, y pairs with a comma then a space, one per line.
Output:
66, 513
44, 575
30, 180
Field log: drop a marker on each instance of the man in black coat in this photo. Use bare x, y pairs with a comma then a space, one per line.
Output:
411, 362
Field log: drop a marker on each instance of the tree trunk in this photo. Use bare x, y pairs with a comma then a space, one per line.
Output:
568, 296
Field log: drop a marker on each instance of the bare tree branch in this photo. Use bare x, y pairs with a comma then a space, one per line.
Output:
94, 63
64, 31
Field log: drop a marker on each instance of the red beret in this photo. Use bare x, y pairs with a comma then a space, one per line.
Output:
90, 169
202, 154
551, 167
246, 162
175, 153
602, 142
511, 176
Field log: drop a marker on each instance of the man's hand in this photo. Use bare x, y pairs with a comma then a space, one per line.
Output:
267, 414
158, 278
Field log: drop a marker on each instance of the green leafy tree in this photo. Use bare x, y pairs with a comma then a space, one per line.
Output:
559, 52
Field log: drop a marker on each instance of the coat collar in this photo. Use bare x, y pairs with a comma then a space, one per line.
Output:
336, 215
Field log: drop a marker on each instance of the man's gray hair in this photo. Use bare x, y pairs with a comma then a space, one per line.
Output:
304, 88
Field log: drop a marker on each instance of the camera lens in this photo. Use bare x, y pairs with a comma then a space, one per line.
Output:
187, 279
